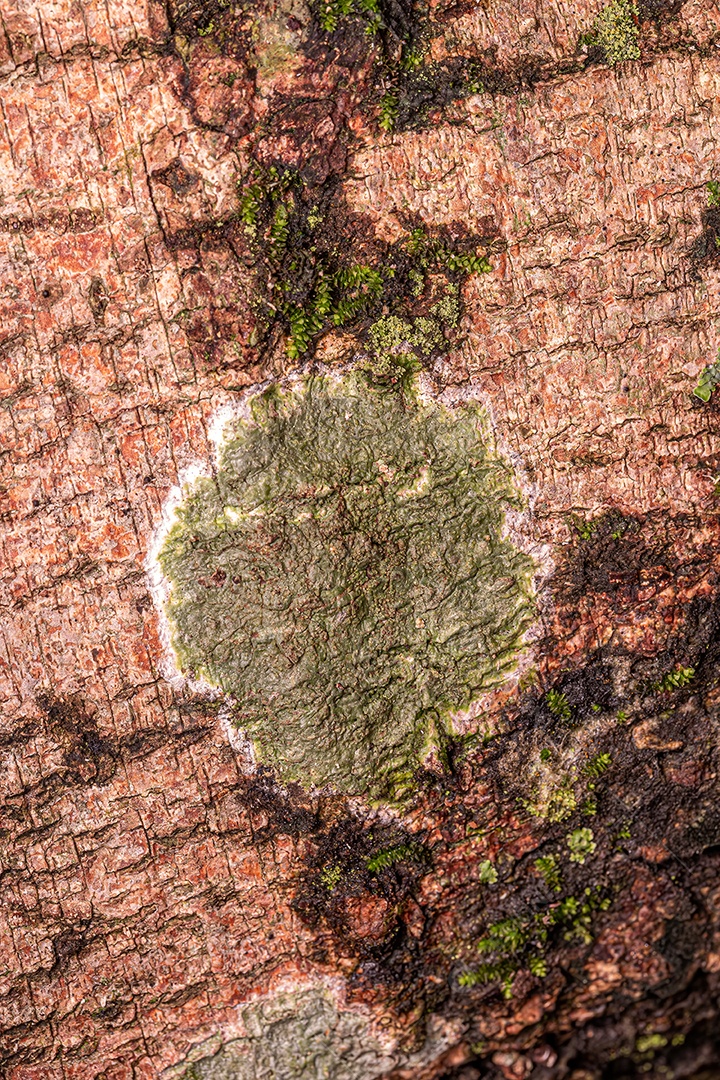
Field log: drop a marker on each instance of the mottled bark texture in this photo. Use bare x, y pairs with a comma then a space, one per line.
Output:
200, 197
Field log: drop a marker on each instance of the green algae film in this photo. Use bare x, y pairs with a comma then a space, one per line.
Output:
345, 578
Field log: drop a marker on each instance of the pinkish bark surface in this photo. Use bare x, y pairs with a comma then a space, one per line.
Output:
151, 886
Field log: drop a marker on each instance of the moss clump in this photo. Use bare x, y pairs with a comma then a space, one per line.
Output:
675, 680
554, 794
337, 298
581, 844
708, 382
300, 244
549, 867
487, 874
520, 943
431, 251
331, 876
552, 802
616, 32
647, 1043
330, 13
382, 859
598, 765
346, 579
388, 111
558, 705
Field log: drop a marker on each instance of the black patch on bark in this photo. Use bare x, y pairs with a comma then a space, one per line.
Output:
88, 758
706, 248
659, 10
288, 811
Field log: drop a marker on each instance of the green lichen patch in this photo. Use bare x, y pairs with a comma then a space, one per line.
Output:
346, 579
398, 347
617, 33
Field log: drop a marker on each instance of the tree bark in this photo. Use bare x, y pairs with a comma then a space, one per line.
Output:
175, 185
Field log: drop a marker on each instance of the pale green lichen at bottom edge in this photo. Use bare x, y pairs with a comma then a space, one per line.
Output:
346, 580
299, 1035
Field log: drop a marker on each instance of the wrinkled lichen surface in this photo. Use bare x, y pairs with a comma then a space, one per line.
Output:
346, 579
296, 1036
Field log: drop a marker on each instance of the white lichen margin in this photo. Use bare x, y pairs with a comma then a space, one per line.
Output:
517, 529
364, 1042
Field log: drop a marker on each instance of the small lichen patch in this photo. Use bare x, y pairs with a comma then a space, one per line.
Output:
276, 36
298, 1035
346, 580
616, 31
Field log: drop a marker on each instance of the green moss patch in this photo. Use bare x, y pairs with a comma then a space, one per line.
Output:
346, 579
303, 242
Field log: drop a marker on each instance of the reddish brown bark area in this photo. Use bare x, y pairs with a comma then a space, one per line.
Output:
151, 883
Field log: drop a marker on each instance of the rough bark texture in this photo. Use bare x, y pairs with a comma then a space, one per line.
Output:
166, 905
